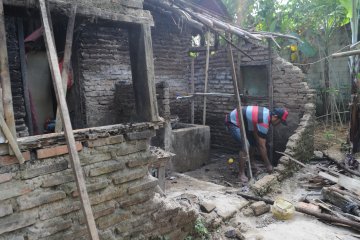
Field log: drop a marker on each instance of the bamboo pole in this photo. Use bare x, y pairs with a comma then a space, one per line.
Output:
271, 100
67, 62
69, 135
5, 78
239, 109
192, 90
206, 73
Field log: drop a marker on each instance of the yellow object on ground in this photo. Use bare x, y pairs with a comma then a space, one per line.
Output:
230, 161
282, 209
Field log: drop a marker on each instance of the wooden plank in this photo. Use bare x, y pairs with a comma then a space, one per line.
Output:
192, 90
206, 73
24, 75
328, 177
5, 78
239, 109
351, 184
66, 63
142, 70
74, 157
12, 141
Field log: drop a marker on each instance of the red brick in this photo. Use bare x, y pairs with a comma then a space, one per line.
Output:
10, 160
5, 177
56, 151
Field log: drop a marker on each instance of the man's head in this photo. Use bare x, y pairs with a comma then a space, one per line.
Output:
279, 115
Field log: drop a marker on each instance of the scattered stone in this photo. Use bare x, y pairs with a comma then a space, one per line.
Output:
207, 206
239, 235
230, 233
318, 154
265, 184
248, 212
235, 222
260, 208
256, 237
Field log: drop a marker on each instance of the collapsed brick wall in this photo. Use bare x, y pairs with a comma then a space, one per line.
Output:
39, 199
290, 91
15, 76
300, 146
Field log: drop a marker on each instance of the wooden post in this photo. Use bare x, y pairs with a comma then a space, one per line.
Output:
24, 75
239, 109
67, 62
192, 90
206, 73
271, 101
69, 135
5, 78
142, 70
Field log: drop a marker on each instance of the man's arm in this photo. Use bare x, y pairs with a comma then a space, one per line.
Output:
263, 151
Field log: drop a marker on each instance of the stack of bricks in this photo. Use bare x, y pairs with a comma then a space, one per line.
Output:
162, 96
39, 200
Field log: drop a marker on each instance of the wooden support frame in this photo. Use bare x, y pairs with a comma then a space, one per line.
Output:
271, 99
206, 73
5, 78
142, 70
239, 109
67, 62
69, 135
192, 79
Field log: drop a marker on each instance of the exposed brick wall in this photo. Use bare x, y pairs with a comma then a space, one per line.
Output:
15, 76
103, 64
39, 200
290, 91
103, 60
170, 44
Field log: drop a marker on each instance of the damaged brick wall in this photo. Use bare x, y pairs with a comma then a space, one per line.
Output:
290, 91
299, 146
15, 76
39, 200
104, 72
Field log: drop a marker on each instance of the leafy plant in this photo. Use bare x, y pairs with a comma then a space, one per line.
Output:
200, 230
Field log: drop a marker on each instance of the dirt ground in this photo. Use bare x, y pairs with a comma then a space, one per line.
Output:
218, 184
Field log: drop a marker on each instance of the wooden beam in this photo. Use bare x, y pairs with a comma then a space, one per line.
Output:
5, 78
12, 142
271, 101
87, 9
239, 110
74, 157
346, 54
192, 112
66, 63
206, 73
142, 70
24, 75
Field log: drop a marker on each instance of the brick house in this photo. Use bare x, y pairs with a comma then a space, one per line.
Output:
121, 51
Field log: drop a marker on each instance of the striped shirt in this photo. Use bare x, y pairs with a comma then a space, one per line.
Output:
255, 117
